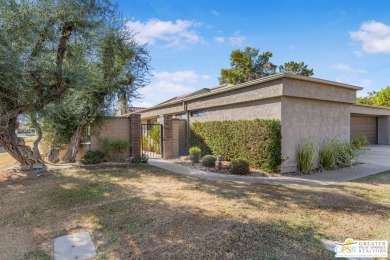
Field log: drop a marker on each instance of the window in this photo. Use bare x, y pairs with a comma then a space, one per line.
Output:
181, 116
197, 113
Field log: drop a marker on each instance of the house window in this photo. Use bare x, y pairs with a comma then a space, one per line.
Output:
181, 116
197, 113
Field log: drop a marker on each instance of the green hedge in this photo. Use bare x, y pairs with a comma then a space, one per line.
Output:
258, 141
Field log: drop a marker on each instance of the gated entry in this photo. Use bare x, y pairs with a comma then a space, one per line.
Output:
152, 140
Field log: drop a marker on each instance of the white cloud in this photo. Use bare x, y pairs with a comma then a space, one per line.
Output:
174, 33
358, 53
355, 82
236, 39
365, 83
177, 76
215, 13
169, 88
166, 85
375, 37
346, 68
219, 39
141, 103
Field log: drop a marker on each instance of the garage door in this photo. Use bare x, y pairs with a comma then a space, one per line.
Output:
365, 126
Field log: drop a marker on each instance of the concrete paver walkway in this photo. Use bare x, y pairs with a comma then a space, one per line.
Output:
74, 246
323, 178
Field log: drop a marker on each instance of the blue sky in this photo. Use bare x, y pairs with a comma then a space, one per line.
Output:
190, 41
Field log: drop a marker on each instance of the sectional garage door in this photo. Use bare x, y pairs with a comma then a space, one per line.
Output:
365, 125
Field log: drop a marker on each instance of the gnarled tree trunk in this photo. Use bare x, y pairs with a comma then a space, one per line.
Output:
54, 152
16, 148
73, 146
36, 125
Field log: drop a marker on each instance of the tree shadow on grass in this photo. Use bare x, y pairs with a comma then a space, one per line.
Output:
332, 198
153, 229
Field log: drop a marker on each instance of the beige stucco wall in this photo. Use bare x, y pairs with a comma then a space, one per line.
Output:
264, 90
112, 128
313, 90
169, 110
260, 109
261, 91
304, 119
369, 110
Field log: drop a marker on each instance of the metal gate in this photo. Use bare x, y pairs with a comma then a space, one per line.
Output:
152, 140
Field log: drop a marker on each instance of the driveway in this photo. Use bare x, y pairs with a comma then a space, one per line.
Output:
376, 154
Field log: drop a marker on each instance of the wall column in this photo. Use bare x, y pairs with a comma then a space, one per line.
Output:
135, 134
166, 122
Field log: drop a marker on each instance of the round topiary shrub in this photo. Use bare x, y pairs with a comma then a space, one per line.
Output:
239, 167
195, 153
209, 161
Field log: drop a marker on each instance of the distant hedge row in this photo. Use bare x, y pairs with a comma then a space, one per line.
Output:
259, 141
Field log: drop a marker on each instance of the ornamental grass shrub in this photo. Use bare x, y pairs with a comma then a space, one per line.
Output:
257, 140
359, 141
332, 154
307, 157
195, 152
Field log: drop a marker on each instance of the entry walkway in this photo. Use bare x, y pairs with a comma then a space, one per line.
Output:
323, 178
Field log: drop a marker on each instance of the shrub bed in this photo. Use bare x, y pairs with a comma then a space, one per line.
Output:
257, 140
330, 155
93, 157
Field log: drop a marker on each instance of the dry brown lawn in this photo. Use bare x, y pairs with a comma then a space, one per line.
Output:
6, 159
145, 212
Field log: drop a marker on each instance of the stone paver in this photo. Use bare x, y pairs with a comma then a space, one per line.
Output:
74, 246
323, 178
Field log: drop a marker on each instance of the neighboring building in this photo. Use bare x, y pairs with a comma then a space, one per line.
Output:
308, 108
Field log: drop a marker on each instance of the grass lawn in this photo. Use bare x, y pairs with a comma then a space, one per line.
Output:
145, 212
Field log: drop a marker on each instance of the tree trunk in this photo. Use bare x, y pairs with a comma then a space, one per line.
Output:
53, 155
39, 138
16, 148
73, 146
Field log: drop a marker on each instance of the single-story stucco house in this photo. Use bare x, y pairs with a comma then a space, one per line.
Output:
307, 107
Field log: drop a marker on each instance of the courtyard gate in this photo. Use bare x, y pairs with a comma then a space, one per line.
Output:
152, 140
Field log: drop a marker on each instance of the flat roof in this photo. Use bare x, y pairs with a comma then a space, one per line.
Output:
371, 106
228, 87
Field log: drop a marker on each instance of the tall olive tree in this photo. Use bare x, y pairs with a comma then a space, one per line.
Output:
36, 64
118, 70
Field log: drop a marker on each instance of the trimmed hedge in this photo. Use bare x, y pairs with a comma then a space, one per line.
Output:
260, 141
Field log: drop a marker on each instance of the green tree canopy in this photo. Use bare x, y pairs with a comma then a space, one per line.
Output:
380, 98
298, 68
246, 65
